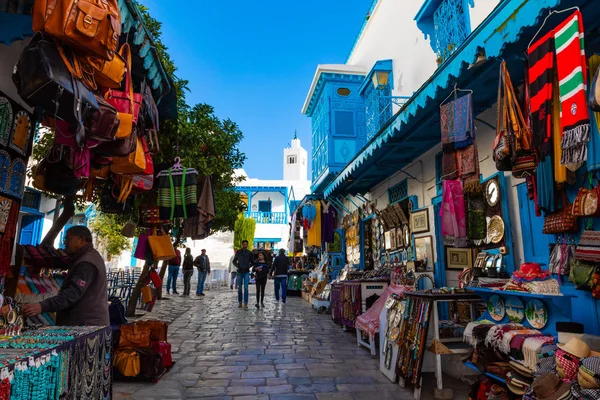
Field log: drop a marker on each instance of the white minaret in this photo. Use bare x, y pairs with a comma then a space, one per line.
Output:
295, 162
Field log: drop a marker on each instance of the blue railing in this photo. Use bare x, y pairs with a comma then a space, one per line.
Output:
268, 217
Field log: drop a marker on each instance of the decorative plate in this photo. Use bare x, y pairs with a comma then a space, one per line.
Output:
515, 310
5, 206
395, 333
22, 128
495, 229
496, 308
6, 118
536, 313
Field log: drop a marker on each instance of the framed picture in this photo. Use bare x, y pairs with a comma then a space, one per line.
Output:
393, 239
424, 250
458, 258
388, 240
399, 238
419, 221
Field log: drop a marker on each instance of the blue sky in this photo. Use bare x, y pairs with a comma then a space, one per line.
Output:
254, 62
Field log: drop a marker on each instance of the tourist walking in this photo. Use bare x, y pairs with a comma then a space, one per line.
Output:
232, 273
188, 271
174, 264
243, 261
202, 263
279, 271
261, 271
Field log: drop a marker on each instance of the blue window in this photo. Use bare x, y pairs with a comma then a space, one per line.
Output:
344, 123
398, 192
264, 206
31, 200
452, 26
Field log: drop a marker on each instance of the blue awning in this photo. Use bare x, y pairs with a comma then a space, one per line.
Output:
14, 27
415, 129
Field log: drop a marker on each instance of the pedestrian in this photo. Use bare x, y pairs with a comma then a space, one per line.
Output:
243, 261
279, 271
174, 264
82, 298
261, 270
188, 271
232, 273
202, 263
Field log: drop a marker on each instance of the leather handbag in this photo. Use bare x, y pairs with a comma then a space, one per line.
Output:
109, 203
164, 349
158, 329
128, 229
587, 201
55, 177
149, 110
109, 74
582, 274
155, 278
102, 125
134, 336
594, 94
588, 248
503, 148
127, 362
151, 363
561, 221
126, 102
125, 126
133, 163
142, 248
161, 246
146, 294
43, 80
118, 148
92, 26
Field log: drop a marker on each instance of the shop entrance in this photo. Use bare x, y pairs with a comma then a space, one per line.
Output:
31, 229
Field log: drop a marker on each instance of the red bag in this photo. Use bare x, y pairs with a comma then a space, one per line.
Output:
155, 279
126, 102
164, 349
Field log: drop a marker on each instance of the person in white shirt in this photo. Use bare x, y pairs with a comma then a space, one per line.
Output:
233, 273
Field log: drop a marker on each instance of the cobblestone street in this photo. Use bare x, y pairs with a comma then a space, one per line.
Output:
279, 352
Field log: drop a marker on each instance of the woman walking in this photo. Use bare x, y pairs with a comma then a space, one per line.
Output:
188, 271
261, 270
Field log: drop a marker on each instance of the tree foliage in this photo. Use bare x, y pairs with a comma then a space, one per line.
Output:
107, 234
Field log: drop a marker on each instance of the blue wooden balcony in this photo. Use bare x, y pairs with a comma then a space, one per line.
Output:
268, 217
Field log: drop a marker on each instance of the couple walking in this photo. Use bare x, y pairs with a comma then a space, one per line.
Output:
202, 264
243, 261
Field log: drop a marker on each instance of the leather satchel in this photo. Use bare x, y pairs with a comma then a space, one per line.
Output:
109, 74
134, 163
561, 221
161, 246
92, 26
118, 148
158, 329
134, 336
126, 102
103, 124
43, 80
127, 362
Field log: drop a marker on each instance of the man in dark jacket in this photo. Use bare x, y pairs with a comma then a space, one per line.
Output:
202, 263
82, 299
279, 270
243, 261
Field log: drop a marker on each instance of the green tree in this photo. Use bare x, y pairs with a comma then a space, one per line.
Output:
107, 234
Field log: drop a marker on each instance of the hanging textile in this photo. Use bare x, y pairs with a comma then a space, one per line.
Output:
454, 228
476, 223
327, 222
177, 194
314, 233
560, 171
571, 66
456, 119
198, 227
593, 161
449, 166
540, 75
545, 186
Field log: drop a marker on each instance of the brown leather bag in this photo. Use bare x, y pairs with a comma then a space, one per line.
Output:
134, 163
103, 124
109, 74
134, 336
93, 26
117, 148
158, 329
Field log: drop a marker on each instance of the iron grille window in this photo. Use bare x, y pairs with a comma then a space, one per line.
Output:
452, 26
32, 200
438, 172
378, 108
398, 192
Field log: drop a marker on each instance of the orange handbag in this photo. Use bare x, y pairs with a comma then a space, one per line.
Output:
93, 26
134, 336
146, 295
109, 74
134, 163
161, 246
158, 329
127, 362
125, 126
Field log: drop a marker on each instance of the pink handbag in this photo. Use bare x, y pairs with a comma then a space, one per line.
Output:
142, 247
80, 158
126, 102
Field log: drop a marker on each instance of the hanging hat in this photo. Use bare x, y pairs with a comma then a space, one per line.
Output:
530, 272
576, 347
550, 387
589, 373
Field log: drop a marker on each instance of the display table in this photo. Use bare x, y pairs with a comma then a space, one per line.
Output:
57, 362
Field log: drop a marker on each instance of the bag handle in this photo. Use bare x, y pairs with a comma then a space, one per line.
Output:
125, 52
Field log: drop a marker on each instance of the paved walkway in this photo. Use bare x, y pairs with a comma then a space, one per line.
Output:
279, 352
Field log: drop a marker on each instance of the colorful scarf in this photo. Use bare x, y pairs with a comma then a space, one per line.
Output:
571, 67
449, 165
532, 348
540, 75
456, 118
454, 224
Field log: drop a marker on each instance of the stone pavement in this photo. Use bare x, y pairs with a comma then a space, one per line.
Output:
279, 352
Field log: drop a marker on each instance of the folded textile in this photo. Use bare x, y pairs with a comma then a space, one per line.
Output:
468, 333
495, 335
480, 333
531, 349
516, 344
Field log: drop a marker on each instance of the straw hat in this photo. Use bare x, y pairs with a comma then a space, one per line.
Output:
517, 383
576, 347
521, 369
550, 387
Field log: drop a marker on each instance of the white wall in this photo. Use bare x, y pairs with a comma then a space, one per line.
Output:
482, 9
277, 201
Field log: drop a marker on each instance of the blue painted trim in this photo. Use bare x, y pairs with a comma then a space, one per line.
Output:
362, 28
14, 27
440, 265
31, 211
326, 77
267, 239
272, 189
133, 260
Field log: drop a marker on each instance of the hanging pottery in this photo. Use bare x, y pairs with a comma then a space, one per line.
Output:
496, 308
536, 314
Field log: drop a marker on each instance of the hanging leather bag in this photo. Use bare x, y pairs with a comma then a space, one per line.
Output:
126, 101
587, 201
92, 26
134, 336
134, 163
118, 147
43, 80
503, 147
561, 221
149, 110
109, 74
102, 125
161, 246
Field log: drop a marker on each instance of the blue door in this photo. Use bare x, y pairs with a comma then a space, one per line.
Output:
31, 229
536, 245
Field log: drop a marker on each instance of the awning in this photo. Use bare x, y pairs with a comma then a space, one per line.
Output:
416, 128
14, 27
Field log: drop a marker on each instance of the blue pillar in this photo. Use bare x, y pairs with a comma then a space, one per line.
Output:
286, 199
249, 202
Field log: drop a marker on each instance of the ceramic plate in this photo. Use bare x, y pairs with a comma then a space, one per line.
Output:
536, 314
515, 310
496, 308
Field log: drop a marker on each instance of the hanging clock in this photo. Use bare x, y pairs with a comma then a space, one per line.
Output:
21, 131
492, 192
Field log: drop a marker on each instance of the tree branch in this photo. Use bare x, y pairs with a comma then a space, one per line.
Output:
60, 222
